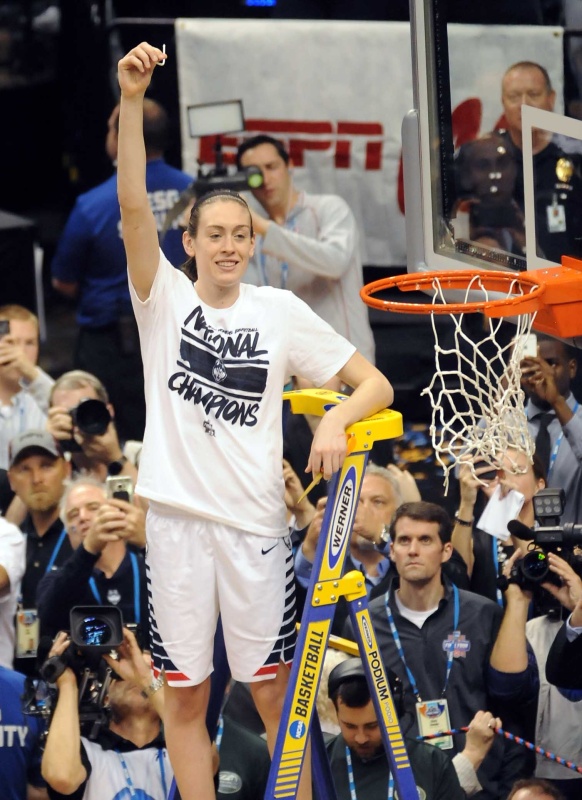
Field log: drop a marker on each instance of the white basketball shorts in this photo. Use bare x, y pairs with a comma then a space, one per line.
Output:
198, 568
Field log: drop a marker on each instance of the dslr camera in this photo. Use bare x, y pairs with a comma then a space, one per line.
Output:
548, 537
94, 630
91, 417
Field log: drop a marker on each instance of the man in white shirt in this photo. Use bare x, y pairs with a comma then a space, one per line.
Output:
307, 243
24, 387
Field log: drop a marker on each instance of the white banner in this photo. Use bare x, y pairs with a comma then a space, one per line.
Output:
336, 92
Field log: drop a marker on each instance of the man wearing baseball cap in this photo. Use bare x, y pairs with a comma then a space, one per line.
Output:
37, 471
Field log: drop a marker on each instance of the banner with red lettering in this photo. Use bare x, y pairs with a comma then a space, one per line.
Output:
336, 92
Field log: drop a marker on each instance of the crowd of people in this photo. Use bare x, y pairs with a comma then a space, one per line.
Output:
191, 519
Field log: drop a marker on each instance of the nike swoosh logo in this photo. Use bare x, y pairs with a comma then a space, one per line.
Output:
264, 552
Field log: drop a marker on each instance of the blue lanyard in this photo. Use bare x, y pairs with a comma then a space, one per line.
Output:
129, 782
352, 782
400, 649
263, 266
498, 592
219, 732
136, 603
56, 550
556, 447
290, 225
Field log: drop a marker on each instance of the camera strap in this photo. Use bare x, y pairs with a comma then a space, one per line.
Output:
291, 225
263, 266
136, 589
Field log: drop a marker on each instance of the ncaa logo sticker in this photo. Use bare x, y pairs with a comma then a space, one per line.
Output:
297, 729
339, 526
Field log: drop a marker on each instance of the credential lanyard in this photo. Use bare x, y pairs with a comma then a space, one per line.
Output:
554, 453
399, 648
130, 783
290, 225
498, 592
55, 552
263, 267
136, 590
352, 782
219, 733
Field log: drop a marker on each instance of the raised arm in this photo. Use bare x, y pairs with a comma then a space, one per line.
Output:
138, 224
62, 767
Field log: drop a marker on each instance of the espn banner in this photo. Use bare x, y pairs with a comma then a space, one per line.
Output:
336, 93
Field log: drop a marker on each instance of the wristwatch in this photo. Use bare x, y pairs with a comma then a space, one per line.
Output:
116, 466
155, 686
464, 522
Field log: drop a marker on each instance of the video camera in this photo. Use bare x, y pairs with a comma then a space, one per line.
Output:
214, 119
549, 537
94, 630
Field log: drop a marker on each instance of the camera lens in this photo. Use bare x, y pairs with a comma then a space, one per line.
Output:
95, 631
535, 566
92, 417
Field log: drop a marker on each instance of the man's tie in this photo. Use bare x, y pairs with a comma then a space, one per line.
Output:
542, 443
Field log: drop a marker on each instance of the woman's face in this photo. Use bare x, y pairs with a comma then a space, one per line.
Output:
222, 245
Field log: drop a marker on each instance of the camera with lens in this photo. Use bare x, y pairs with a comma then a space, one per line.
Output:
548, 537
91, 417
214, 120
94, 630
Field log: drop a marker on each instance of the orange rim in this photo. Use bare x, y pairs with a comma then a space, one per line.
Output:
489, 279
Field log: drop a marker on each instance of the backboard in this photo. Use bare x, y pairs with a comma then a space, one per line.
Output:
450, 150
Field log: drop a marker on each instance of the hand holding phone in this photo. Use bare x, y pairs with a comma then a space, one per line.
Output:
119, 487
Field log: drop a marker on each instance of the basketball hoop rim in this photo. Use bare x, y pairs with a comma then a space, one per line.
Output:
492, 280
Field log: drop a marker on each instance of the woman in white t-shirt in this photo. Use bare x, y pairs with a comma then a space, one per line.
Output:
216, 355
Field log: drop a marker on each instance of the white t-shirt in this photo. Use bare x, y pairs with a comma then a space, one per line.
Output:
213, 382
150, 778
13, 559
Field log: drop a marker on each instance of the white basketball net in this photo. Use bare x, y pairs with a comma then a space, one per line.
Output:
478, 406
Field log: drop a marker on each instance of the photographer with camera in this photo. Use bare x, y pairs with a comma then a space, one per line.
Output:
518, 667
103, 569
555, 418
482, 552
130, 755
82, 419
307, 243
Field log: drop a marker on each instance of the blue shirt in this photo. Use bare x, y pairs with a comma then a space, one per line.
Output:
304, 568
566, 471
20, 754
91, 253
